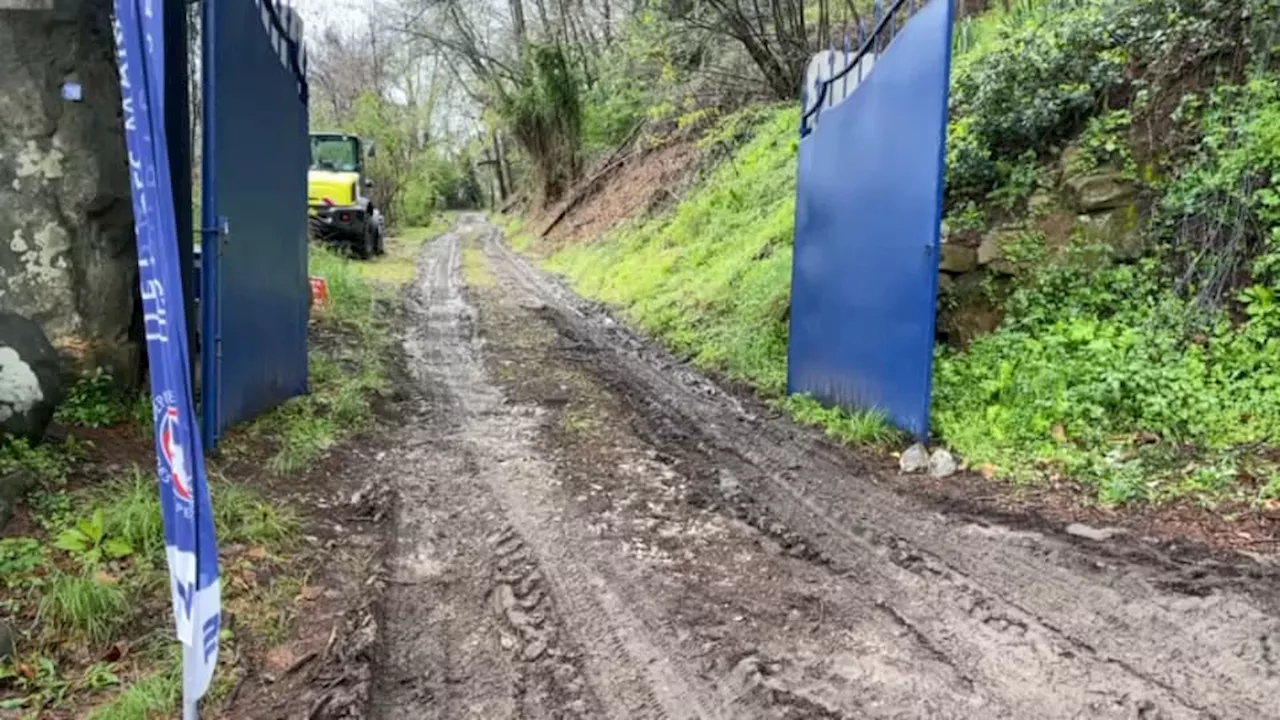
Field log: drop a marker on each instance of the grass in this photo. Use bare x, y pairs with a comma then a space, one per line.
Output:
152, 695
86, 607
133, 514
72, 602
241, 515
865, 427
521, 239
475, 267
711, 280
579, 420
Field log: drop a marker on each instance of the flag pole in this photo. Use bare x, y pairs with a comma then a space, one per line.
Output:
190, 705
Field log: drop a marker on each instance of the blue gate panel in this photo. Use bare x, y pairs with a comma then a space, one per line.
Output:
260, 160
868, 213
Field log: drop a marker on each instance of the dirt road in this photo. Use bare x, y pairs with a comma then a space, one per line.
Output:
586, 528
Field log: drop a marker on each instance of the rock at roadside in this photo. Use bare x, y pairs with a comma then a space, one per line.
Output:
942, 464
1092, 533
915, 459
30, 379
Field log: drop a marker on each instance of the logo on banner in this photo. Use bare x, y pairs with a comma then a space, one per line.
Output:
174, 455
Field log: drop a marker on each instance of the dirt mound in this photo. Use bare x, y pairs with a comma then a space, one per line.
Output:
637, 182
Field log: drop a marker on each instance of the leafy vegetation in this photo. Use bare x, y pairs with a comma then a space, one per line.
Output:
1111, 376
95, 401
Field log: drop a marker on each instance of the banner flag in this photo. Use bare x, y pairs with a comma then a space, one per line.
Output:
190, 546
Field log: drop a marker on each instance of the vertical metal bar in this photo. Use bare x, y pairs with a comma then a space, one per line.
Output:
210, 234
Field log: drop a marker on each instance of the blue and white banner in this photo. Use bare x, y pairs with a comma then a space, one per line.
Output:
190, 546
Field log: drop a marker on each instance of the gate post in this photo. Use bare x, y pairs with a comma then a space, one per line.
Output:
210, 233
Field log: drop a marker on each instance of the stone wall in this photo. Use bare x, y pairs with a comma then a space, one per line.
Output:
67, 256
1099, 209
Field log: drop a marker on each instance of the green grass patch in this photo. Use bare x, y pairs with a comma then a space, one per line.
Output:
241, 515
475, 267
156, 693
83, 606
351, 296
868, 427
96, 570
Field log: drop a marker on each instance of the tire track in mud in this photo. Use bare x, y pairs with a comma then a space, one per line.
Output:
491, 615
1038, 626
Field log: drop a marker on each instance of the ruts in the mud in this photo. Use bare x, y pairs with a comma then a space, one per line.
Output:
587, 528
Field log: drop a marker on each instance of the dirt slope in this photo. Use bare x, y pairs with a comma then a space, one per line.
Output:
588, 529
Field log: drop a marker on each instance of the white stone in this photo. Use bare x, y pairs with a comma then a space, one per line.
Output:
942, 464
915, 459
19, 386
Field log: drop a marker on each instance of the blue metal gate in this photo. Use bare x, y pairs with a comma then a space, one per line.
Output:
256, 299
868, 213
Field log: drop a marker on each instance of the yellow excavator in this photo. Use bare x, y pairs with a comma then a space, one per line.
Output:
341, 212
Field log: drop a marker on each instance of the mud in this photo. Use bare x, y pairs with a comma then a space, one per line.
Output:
587, 528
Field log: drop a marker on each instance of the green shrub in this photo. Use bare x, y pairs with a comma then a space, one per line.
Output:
1028, 88
95, 401
1095, 375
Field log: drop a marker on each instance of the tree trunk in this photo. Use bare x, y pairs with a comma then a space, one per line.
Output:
67, 253
518, 24
499, 169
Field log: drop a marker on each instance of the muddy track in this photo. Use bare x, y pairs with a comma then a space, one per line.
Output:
1036, 623
587, 528
485, 580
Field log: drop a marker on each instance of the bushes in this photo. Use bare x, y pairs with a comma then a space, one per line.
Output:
1030, 78
1221, 213
1028, 87
1112, 376
1117, 376
1094, 377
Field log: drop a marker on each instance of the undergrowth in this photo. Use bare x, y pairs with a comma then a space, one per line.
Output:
85, 588
1111, 376
92, 579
